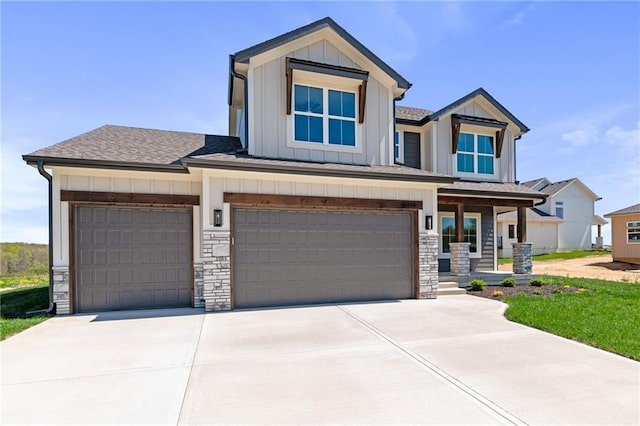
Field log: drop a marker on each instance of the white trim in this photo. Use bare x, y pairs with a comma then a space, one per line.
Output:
475, 154
400, 157
636, 230
495, 239
325, 84
467, 215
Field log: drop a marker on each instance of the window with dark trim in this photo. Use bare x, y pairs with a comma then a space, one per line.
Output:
512, 231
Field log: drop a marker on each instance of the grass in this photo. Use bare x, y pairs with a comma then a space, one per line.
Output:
14, 304
563, 255
605, 316
24, 280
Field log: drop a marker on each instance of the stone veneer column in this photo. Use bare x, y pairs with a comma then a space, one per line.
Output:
198, 285
428, 266
460, 262
599, 243
216, 270
61, 290
522, 258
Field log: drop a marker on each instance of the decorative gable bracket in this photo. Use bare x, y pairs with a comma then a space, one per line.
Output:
335, 70
458, 119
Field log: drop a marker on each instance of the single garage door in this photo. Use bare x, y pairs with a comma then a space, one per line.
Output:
132, 258
289, 257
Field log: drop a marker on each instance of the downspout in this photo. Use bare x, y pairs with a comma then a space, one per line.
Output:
515, 178
399, 98
233, 72
52, 305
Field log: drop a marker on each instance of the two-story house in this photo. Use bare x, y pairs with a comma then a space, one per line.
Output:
324, 191
562, 223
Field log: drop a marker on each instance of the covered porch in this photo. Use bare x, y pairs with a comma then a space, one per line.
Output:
468, 232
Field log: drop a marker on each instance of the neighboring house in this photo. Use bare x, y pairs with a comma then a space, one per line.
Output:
562, 223
625, 234
324, 191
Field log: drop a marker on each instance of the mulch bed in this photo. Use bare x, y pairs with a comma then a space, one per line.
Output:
547, 290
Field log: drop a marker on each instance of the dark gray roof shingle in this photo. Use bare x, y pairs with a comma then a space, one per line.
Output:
491, 188
136, 145
556, 187
245, 162
631, 209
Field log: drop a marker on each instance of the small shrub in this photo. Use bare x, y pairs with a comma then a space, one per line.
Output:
508, 282
556, 291
537, 282
477, 285
538, 292
581, 290
498, 293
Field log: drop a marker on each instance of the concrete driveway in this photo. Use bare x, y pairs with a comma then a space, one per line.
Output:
454, 360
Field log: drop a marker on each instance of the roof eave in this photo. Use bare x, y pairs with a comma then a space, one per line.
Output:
268, 168
485, 194
32, 160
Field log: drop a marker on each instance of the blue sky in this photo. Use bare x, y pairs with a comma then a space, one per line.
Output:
569, 70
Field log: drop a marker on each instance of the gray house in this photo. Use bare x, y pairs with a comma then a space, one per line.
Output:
324, 191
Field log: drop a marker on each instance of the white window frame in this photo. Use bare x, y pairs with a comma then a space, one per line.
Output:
467, 215
475, 154
559, 204
633, 227
400, 157
326, 83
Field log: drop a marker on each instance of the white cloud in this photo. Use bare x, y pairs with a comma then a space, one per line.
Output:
519, 16
581, 137
618, 136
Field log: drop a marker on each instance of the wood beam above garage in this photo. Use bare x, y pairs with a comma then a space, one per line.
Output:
129, 198
294, 201
484, 202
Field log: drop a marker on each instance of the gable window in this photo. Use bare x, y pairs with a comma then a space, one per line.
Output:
324, 116
633, 232
471, 233
475, 154
560, 209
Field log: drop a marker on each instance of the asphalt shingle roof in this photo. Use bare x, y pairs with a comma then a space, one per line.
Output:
136, 145
411, 113
493, 188
631, 209
556, 187
246, 162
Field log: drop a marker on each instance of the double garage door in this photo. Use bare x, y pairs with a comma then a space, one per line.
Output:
288, 257
132, 258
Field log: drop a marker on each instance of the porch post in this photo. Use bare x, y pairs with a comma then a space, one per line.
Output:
460, 262
522, 260
459, 219
599, 239
522, 224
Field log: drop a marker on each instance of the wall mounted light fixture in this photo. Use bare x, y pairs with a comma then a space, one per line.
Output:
217, 218
428, 222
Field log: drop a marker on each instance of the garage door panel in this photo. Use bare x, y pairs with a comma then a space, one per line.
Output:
320, 256
131, 258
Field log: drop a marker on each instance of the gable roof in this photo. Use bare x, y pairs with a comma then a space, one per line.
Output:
627, 210
132, 146
535, 182
555, 187
420, 116
245, 54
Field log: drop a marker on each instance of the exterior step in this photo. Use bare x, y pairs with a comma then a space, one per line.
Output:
446, 288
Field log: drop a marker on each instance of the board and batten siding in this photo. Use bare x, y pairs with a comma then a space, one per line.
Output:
445, 163
216, 184
117, 181
270, 128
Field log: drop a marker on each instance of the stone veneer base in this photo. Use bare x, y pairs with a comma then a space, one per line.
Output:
428, 266
522, 260
216, 271
460, 261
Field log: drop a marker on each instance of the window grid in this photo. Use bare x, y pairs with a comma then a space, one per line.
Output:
449, 233
633, 232
475, 154
324, 116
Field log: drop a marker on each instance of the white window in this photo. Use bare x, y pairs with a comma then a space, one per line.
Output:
475, 154
472, 233
324, 116
560, 209
633, 232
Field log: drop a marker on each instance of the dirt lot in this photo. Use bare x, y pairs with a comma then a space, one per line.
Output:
602, 267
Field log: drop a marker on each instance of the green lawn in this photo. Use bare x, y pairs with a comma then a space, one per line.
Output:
23, 280
14, 303
606, 316
564, 255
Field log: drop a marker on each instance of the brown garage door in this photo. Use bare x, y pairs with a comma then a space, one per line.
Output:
132, 258
289, 257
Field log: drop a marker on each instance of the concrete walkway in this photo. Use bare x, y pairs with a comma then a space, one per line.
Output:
454, 360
